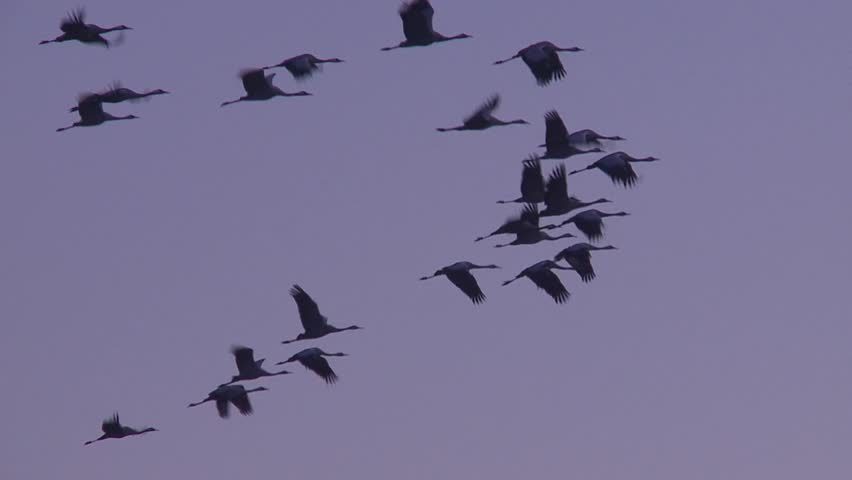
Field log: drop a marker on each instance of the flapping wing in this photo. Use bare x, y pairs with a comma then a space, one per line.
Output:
320, 366
89, 105
222, 408
112, 426
485, 110
309, 312
417, 20
74, 22
583, 265
242, 403
530, 214
244, 357
254, 80
555, 133
623, 174
466, 282
532, 181
591, 227
557, 186
550, 283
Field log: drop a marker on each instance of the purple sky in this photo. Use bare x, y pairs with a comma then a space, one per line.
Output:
715, 344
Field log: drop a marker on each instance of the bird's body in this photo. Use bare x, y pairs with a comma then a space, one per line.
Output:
542, 59
579, 256
483, 118
247, 367
118, 94
226, 395
590, 222
617, 167
541, 274
557, 141
113, 428
258, 87
91, 112
528, 219
532, 183
304, 65
314, 360
460, 276
417, 27
556, 198
314, 323
74, 27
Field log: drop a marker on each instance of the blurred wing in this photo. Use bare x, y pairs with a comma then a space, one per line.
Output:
557, 186
244, 357
242, 403
623, 174
550, 283
222, 408
583, 266
309, 312
592, 228
555, 133
466, 282
530, 214
254, 80
484, 110
74, 22
417, 20
320, 366
112, 425
532, 181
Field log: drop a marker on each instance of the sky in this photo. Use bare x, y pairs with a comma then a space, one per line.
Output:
715, 343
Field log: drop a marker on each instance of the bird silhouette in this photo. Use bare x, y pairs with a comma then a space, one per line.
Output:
542, 59
459, 274
617, 167
304, 65
226, 395
91, 113
541, 274
258, 86
579, 256
556, 198
113, 428
483, 117
590, 222
528, 219
314, 360
557, 141
74, 27
247, 367
532, 183
587, 137
314, 323
117, 94
416, 18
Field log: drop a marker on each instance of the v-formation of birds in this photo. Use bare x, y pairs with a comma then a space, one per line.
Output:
543, 61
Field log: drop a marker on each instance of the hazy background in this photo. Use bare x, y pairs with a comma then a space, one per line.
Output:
714, 344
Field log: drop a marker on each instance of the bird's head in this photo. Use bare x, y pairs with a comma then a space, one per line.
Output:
302, 94
123, 27
571, 49
463, 35
159, 91
334, 60
130, 117
150, 429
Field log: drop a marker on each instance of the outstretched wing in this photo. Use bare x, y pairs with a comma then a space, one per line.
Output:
555, 133
319, 365
623, 174
245, 358
550, 283
530, 214
254, 80
466, 282
555, 69
309, 312
582, 264
242, 403
89, 105
532, 181
417, 20
591, 226
485, 110
112, 426
557, 186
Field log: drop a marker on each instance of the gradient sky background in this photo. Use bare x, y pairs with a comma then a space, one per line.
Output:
714, 344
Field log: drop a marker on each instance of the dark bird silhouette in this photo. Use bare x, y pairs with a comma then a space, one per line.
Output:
542, 59
459, 274
543, 277
587, 137
617, 167
557, 141
314, 360
224, 395
590, 222
74, 27
531, 237
532, 183
579, 256
91, 113
117, 94
528, 219
247, 367
556, 198
113, 428
315, 324
416, 18
304, 65
483, 117
258, 86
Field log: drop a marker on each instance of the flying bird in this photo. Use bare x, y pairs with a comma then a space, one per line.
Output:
315, 324
579, 256
557, 141
91, 113
314, 360
416, 18
483, 117
556, 198
542, 276
304, 65
247, 367
542, 59
258, 86
531, 237
117, 94
74, 27
225, 395
617, 167
528, 219
532, 183
459, 274
590, 222
113, 428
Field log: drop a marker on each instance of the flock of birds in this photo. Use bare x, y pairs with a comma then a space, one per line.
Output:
544, 63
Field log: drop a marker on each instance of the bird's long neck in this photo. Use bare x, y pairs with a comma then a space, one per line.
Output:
350, 327
519, 121
112, 29
483, 266
256, 389
548, 237
593, 202
498, 62
517, 200
581, 170
199, 403
646, 159
229, 102
616, 214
